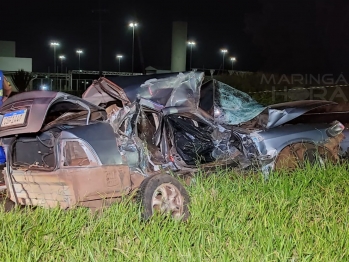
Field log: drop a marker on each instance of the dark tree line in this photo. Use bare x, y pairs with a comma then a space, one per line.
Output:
22, 79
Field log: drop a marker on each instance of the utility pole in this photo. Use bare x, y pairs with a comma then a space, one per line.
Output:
54, 44
133, 25
191, 44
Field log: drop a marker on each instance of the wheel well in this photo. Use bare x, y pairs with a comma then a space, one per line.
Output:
295, 154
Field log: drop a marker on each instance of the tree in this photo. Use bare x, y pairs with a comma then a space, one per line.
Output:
21, 79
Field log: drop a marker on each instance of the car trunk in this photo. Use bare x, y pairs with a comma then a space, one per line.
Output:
28, 112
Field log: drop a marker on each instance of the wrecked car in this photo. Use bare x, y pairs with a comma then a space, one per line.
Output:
185, 124
61, 150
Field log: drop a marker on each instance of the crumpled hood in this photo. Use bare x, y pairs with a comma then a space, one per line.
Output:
282, 113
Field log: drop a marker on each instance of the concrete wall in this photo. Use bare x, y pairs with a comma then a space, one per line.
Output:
15, 64
179, 46
8, 48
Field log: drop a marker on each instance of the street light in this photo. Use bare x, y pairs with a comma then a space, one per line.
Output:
224, 51
79, 52
232, 62
54, 44
191, 44
62, 57
133, 25
119, 58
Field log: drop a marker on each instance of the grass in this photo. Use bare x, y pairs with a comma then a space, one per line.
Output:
302, 216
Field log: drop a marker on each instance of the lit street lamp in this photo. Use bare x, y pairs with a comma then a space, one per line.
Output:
119, 58
133, 25
224, 51
79, 52
62, 57
232, 62
54, 44
191, 44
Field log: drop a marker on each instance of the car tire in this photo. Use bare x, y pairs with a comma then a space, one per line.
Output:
165, 194
298, 154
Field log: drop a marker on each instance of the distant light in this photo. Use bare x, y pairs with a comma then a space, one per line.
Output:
233, 59
54, 43
119, 56
224, 50
133, 24
61, 57
86, 82
191, 43
43, 87
79, 51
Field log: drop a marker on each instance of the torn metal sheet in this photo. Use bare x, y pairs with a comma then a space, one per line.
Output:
104, 91
176, 90
280, 114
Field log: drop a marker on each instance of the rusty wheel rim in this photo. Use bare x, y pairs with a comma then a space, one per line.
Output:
168, 199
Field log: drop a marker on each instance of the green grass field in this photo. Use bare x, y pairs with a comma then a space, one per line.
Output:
301, 216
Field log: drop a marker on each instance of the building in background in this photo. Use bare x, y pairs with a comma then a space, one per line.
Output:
8, 60
179, 46
10, 63
152, 70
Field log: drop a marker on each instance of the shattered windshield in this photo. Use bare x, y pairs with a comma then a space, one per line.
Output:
234, 107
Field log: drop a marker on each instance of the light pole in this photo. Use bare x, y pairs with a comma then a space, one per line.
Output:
224, 51
79, 52
133, 25
62, 57
191, 44
54, 44
119, 58
232, 62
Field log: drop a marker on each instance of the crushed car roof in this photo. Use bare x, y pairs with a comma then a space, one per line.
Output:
227, 105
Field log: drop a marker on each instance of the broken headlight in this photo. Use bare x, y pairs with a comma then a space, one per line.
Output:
335, 129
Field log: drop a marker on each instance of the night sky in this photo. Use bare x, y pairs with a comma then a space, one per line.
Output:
295, 36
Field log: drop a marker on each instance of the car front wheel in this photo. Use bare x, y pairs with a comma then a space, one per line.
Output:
164, 194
